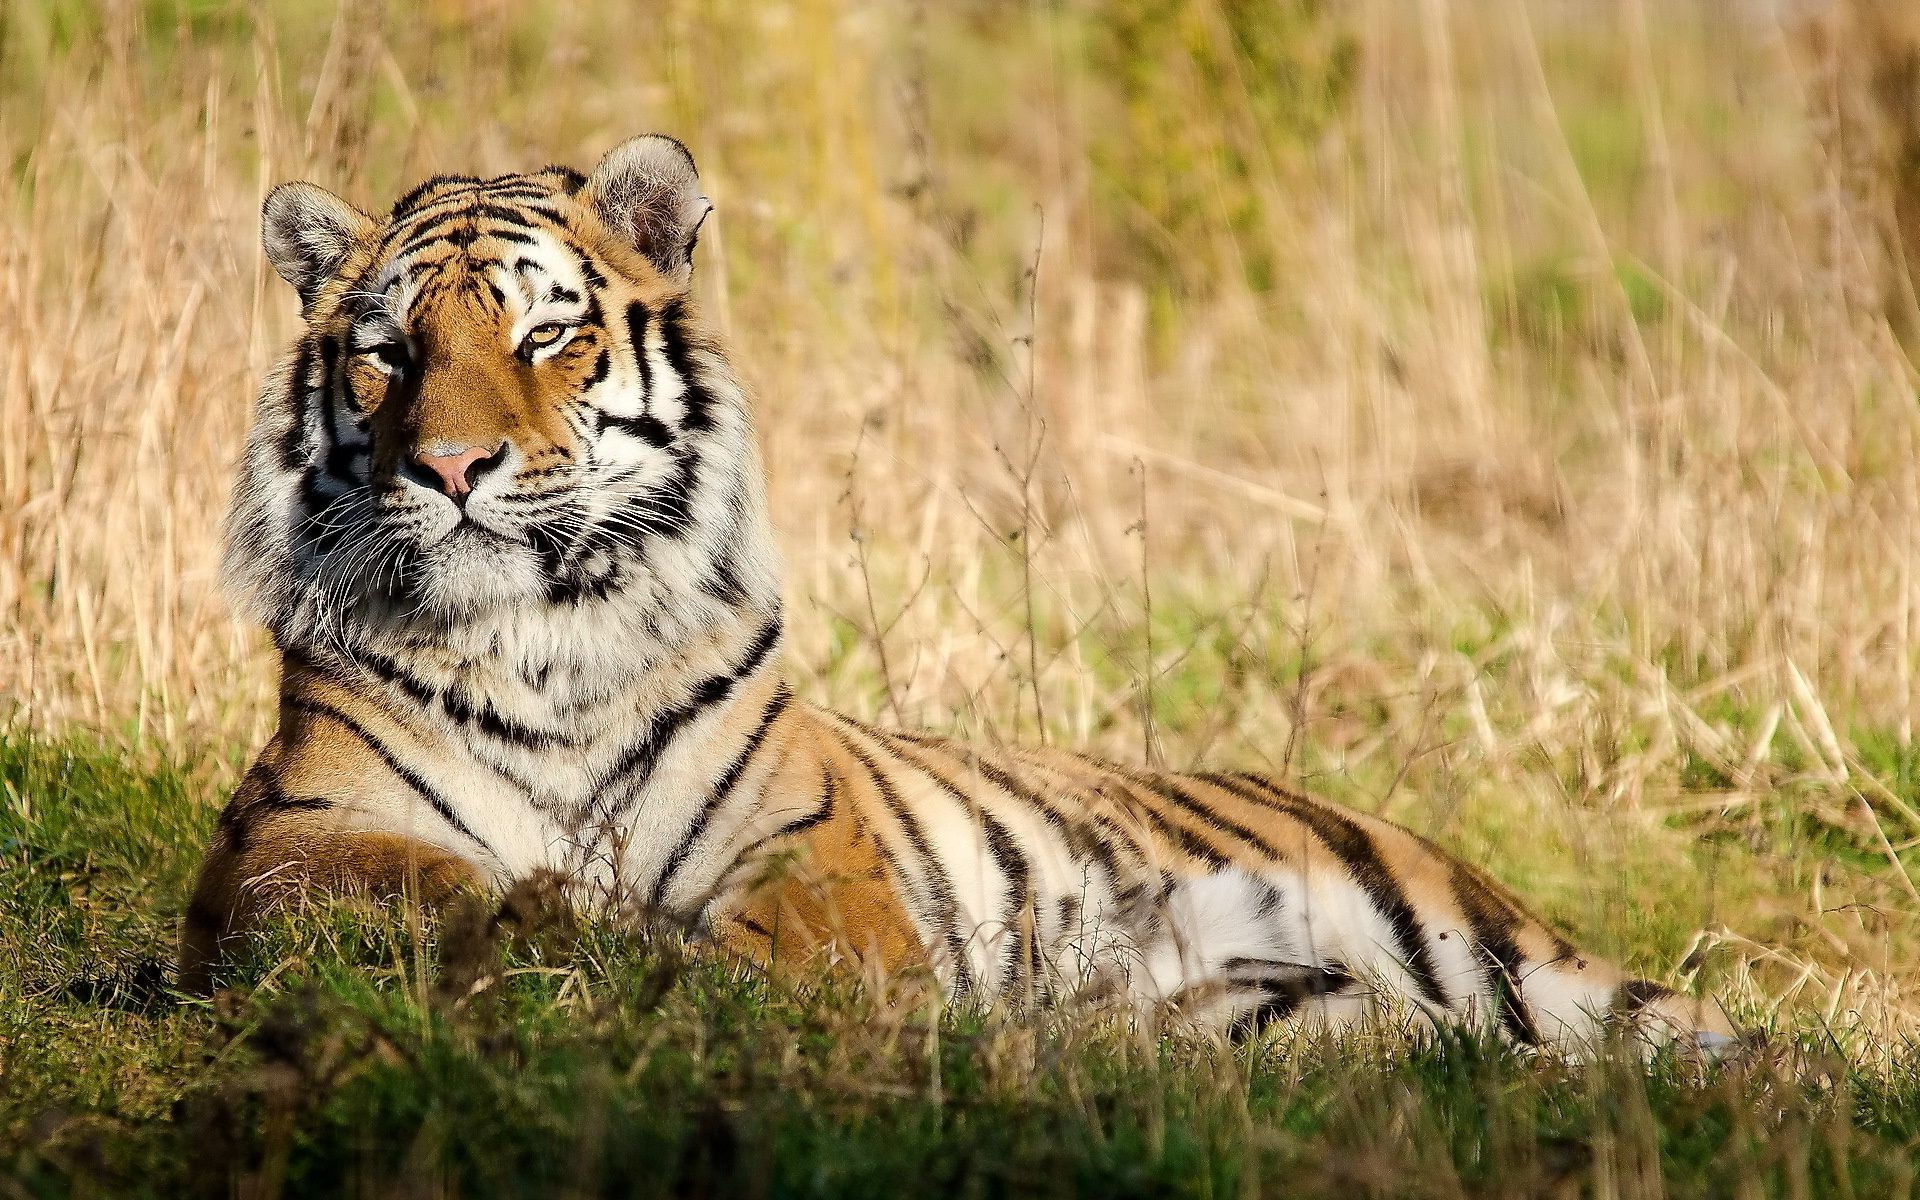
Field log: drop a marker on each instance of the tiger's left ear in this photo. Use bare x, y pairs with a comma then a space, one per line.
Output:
648, 193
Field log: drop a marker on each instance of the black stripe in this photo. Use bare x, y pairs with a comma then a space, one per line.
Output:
1284, 988
236, 819
516, 187
456, 704
427, 226
1115, 778
717, 795
460, 232
940, 889
1168, 790
391, 671
1068, 915
499, 233
668, 508
430, 225
829, 804
276, 801
329, 366
550, 539
1636, 994
457, 183
730, 778
406, 774
1503, 978
581, 588
723, 582
679, 353
1019, 875
1190, 844
646, 427
1091, 835
1492, 923
1355, 848
602, 363
1126, 781
640, 757
826, 806
350, 396
518, 214
1007, 859
294, 447
722, 579
637, 317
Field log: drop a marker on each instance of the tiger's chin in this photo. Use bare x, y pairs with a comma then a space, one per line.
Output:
472, 572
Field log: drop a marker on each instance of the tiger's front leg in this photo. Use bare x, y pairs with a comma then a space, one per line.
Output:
274, 849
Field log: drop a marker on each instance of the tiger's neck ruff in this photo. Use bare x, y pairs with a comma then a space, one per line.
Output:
503, 513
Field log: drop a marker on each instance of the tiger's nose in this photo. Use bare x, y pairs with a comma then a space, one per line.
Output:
455, 472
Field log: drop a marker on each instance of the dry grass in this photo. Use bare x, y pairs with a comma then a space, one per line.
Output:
1523, 446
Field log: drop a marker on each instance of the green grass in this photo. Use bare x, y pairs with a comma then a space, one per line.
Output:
357, 1055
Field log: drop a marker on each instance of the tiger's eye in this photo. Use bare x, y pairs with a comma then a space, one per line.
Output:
542, 336
388, 356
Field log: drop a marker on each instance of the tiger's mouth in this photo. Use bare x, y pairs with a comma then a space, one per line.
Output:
473, 529
437, 523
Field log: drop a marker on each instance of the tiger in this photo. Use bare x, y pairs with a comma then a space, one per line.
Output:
502, 510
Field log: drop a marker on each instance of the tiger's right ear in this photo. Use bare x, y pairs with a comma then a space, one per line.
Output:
308, 232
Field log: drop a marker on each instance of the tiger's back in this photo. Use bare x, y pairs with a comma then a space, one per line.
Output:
503, 512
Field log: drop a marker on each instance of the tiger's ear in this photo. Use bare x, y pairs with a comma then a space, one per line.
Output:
308, 232
648, 193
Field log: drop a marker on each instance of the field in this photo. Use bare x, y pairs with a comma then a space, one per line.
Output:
1497, 415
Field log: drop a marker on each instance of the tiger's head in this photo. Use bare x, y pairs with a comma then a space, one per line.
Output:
502, 404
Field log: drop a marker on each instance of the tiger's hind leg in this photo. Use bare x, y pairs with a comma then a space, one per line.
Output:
271, 851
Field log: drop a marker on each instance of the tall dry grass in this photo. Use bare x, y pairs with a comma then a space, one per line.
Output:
1520, 442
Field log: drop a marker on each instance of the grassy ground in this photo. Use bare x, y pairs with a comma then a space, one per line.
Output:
1499, 415
527, 1055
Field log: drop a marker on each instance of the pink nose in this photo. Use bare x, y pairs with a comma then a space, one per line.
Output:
456, 470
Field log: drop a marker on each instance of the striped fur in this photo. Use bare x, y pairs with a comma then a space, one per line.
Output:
579, 672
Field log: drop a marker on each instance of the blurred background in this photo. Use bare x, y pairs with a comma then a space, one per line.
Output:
1499, 414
